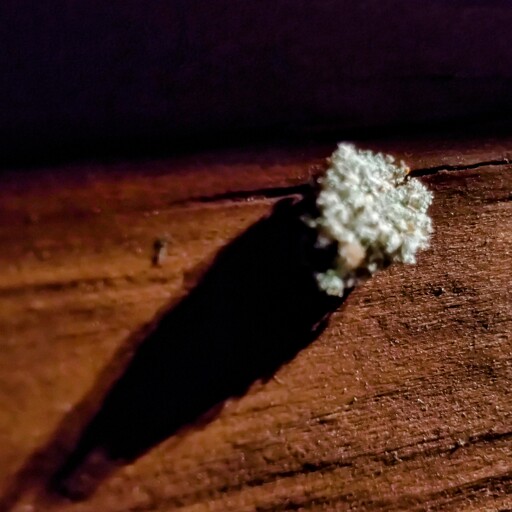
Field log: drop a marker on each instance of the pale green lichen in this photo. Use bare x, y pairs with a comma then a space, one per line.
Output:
372, 211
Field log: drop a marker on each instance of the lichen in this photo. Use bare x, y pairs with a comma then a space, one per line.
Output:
372, 212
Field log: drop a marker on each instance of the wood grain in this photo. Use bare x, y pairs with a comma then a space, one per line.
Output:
401, 403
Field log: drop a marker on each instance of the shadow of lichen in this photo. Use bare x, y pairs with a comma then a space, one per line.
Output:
253, 310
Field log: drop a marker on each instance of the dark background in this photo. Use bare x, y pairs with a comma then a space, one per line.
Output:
84, 78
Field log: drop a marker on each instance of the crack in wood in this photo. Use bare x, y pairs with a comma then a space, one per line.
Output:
304, 188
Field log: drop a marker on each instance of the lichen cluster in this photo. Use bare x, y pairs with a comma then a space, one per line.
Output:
372, 212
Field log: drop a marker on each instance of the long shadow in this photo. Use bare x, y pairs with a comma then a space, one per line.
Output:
254, 309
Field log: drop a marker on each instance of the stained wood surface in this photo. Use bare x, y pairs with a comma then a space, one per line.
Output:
402, 402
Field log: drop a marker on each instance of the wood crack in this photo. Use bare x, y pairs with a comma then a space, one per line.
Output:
248, 195
426, 171
303, 188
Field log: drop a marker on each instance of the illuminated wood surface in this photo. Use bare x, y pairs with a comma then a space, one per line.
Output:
402, 402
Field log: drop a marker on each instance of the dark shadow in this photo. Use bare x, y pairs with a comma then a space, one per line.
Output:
254, 309
190, 72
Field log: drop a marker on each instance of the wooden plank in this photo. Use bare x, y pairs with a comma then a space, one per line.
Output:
401, 403
97, 188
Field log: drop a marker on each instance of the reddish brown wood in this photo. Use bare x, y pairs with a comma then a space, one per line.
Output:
402, 403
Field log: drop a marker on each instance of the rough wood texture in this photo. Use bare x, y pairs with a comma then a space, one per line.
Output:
402, 402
